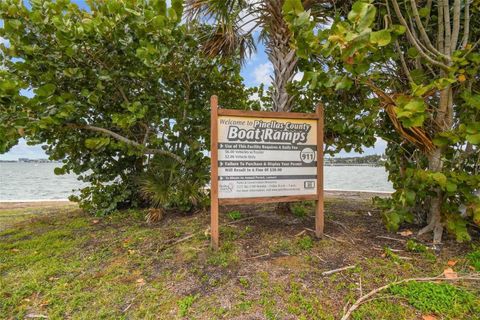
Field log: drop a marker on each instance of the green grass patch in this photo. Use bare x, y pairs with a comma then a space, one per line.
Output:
234, 215
383, 309
185, 303
414, 246
225, 256
305, 242
441, 298
474, 258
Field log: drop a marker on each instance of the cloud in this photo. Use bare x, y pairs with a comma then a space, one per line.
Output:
298, 76
22, 150
262, 73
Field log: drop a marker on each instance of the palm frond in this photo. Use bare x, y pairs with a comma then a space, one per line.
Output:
230, 36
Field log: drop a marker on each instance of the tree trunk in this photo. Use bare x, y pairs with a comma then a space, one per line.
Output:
435, 223
280, 54
284, 61
444, 122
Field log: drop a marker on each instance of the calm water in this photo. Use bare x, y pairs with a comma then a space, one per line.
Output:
37, 181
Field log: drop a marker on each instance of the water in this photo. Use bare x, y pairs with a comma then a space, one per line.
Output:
21, 181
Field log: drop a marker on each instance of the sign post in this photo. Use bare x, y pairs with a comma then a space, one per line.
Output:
260, 157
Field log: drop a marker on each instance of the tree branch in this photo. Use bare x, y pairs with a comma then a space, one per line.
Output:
423, 33
448, 31
403, 62
466, 25
127, 141
456, 24
441, 28
413, 41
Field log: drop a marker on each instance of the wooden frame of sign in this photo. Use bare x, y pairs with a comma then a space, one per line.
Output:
300, 171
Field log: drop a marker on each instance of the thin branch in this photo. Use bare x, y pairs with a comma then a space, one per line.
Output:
429, 7
326, 273
403, 62
145, 137
365, 298
127, 141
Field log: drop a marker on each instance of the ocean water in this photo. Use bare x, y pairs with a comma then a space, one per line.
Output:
36, 181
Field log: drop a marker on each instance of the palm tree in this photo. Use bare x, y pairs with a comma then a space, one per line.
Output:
234, 22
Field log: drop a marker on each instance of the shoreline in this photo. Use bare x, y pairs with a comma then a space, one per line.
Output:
13, 202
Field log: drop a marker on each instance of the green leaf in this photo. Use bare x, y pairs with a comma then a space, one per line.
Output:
476, 216
177, 5
412, 52
398, 29
440, 141
46, 90
410, 196
458, 227
424, 12
415, 105
440, 178
451, 187
96, 143
382, 37
416, 121
368, 19
59, 171
345, 83
292, 6
473, 138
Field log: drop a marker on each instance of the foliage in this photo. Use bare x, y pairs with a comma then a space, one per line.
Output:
163, 184
234, 215
111, 91
305, 243
185, 303
474, 258
299, 210
423, 100
440, 298
414, 246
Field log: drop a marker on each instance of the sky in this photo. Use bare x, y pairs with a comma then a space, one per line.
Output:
257, 70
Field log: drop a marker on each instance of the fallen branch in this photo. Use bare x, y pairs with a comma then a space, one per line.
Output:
326, 273
241, 220
336, 239
300, 233
365, 298
330, 237
259, 256
390, 238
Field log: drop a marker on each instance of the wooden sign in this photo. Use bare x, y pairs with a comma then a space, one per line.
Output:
265, 157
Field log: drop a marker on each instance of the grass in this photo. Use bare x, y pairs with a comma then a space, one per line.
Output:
61, 263
474, 259
439, 298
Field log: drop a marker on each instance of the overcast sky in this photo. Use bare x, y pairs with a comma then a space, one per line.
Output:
256, 71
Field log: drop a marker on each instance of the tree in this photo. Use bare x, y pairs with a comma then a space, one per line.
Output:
422, 67
234, 23
112, 91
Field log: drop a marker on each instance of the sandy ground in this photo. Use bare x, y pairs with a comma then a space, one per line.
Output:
352, 195
34, 204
